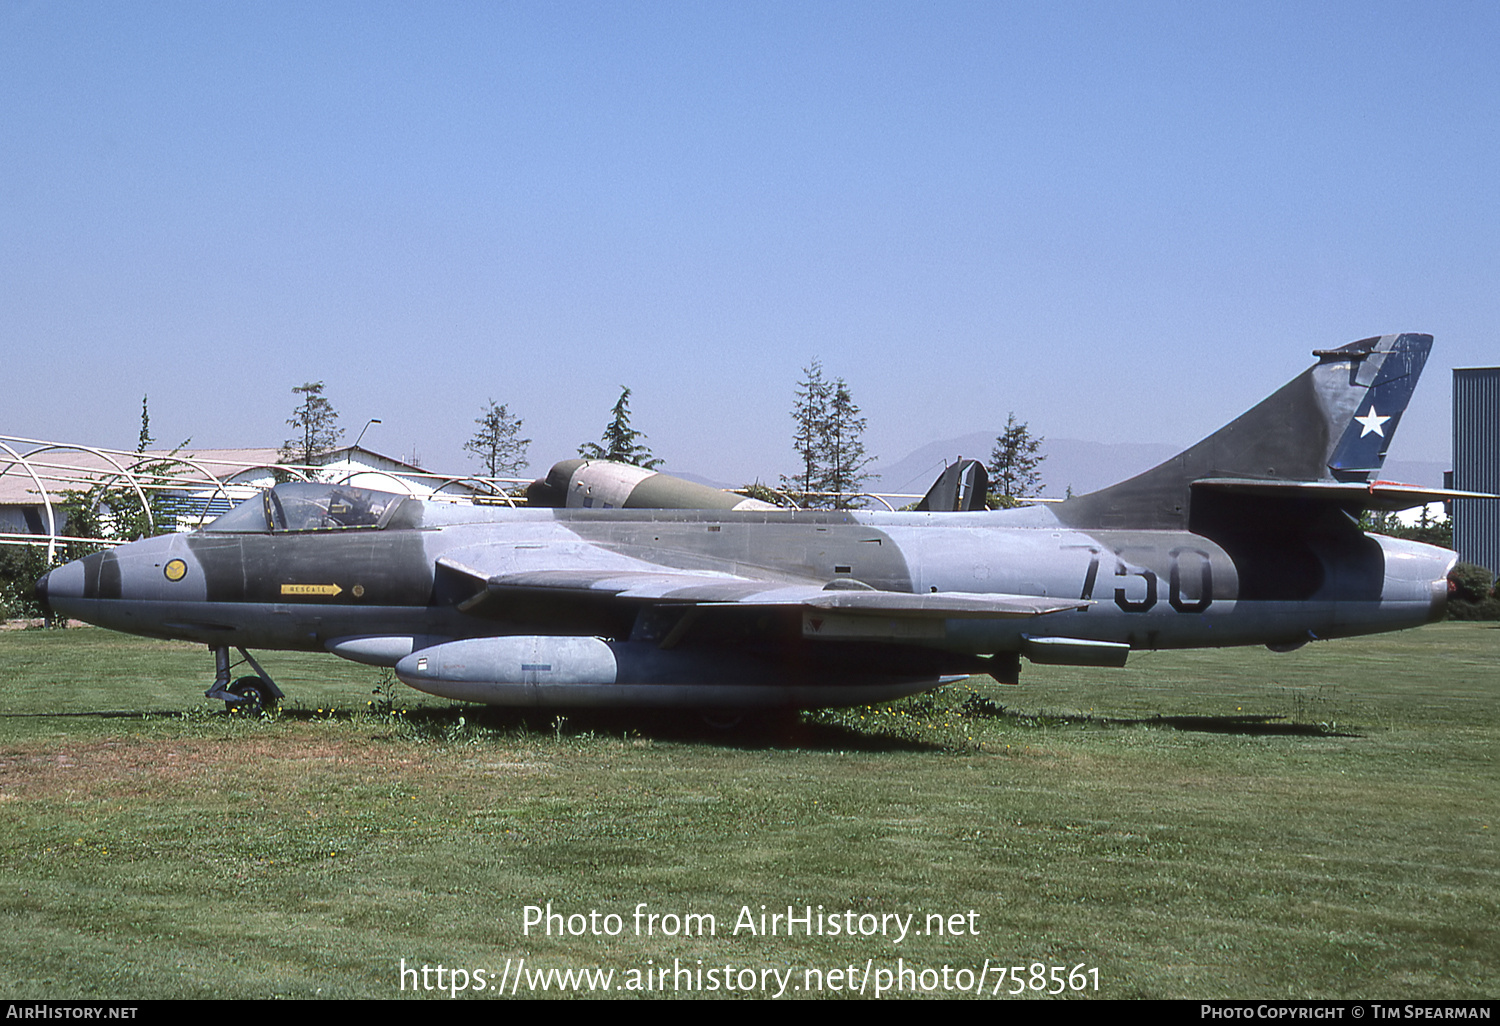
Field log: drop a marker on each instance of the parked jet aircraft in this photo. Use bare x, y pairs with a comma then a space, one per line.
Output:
601, 484
1248, 537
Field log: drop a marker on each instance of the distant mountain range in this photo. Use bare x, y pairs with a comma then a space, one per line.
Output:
1083, 466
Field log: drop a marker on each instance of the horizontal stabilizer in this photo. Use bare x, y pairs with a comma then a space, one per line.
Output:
1386, 496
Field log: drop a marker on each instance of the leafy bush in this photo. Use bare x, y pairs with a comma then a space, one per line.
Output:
1472, 594
19, 569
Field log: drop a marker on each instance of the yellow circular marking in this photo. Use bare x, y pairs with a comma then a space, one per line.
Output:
175, 570
359, 591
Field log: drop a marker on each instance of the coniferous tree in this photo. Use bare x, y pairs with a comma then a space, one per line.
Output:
621, 443
1015, 464
810, 415
844, 447
829, 439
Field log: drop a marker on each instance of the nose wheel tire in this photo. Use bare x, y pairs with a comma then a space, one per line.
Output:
255, 695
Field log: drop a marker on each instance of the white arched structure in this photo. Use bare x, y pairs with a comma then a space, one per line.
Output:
37, 477
40, 474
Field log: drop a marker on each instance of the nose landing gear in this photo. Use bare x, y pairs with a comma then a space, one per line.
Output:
250, 694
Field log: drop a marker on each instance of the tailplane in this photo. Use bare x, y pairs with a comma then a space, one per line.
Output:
1322, 436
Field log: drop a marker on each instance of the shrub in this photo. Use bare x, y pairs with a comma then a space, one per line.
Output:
1472, 593
19, 569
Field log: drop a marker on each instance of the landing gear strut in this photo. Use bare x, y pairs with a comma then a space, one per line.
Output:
251, 693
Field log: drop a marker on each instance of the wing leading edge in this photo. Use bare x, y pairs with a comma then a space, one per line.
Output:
680, 587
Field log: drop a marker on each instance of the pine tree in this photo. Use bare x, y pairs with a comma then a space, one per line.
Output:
621, 443
496, 444
844, 447
829, 439
810, 414
1015, 464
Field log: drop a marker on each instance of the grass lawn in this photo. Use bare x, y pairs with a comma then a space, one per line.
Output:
1208, 824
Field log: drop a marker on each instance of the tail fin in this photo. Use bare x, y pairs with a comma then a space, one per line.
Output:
961, 487
1332, 424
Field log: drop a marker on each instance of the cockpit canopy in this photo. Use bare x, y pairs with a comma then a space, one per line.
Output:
308, 506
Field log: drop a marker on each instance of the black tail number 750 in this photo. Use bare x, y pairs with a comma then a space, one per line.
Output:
1175, 597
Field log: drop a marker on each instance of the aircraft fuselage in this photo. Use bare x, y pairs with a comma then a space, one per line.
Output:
1146, 589
1250, 536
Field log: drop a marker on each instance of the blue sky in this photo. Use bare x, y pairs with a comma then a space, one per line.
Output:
1121, 221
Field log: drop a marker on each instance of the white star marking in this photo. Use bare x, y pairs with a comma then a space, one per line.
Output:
1372, 422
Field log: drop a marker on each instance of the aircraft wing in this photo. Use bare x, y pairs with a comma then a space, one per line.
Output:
705, 588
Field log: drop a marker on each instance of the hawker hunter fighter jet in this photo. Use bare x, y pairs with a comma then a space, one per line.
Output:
1249, 537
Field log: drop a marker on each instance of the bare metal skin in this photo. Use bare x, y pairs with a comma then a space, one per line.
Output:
1249, 537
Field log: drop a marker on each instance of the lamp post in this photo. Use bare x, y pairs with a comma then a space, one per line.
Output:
373, 420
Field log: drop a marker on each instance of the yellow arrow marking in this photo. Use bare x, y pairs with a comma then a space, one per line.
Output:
310, 589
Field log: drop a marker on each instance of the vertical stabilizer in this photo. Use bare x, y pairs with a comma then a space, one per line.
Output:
1333, 422
961, 487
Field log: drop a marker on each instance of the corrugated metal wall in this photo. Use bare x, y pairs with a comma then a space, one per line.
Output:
1476, 464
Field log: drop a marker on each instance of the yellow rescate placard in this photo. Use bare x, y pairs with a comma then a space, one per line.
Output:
310, 589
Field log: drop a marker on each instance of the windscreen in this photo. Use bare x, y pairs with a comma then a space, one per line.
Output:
307, 506
301, 506
249, 516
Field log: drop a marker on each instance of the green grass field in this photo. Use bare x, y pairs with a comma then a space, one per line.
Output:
1208, 824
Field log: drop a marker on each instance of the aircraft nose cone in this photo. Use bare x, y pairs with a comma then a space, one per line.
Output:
58, 585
